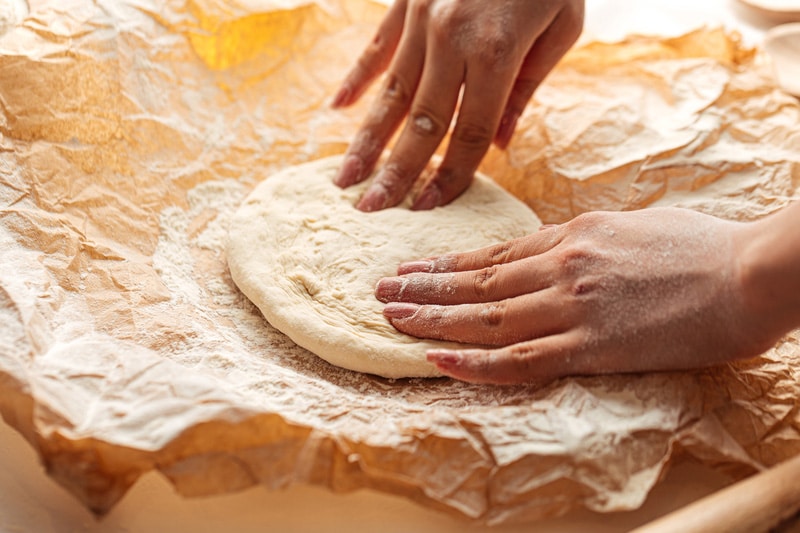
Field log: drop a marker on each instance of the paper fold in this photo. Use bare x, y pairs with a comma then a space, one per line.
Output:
131, 131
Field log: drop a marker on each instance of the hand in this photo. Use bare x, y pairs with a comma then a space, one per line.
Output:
657, 289
499, 51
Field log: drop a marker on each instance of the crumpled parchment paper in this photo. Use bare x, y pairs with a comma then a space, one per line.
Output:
131, 130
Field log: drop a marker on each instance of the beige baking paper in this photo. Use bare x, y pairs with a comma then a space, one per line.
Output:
131, 130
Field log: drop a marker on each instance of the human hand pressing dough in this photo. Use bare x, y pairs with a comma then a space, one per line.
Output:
498, 51
657, 289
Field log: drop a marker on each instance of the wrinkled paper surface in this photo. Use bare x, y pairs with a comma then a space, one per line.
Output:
131, 130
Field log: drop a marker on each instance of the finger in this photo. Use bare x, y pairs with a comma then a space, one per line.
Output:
496, 254
387, 111
427, 124
374, 59
498, 323
486, 86
546, 52
542, 359
489, 284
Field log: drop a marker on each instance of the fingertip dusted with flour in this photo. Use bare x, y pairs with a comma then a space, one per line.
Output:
452, 363
400, 310
445, 358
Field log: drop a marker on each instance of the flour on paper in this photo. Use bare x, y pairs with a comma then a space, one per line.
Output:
301, 251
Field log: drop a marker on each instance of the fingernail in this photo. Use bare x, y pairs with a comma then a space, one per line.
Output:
429, 198
341, 97
374, 199
447, 358
415, 266
350, 173
400, 310
389, 289
507, 126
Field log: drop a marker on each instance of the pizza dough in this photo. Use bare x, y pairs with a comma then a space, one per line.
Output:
301, 251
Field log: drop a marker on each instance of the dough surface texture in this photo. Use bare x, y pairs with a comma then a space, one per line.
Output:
301, 252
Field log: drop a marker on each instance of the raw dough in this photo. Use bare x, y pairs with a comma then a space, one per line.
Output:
301, 251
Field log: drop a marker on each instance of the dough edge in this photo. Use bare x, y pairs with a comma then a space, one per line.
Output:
402, 356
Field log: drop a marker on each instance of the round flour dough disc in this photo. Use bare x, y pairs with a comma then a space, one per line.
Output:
301, 251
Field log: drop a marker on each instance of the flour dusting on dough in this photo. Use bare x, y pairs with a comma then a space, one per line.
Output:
301, 251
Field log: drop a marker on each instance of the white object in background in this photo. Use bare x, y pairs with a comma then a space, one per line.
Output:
777, 10
782, 43
613, 20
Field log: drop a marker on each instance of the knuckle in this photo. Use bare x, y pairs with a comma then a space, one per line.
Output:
473, 135
396, 91
522, 359
498, 48
429, 321
447, 27
500, 253
392, 176
451, 183
573, 259
447, 263
493, 316
446, 18
485, 282
589, 219
449, 178
583, 286
581, 226
367, 145
520, 354
484, 365
433, 314
580, 222
480, 364
425, 123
